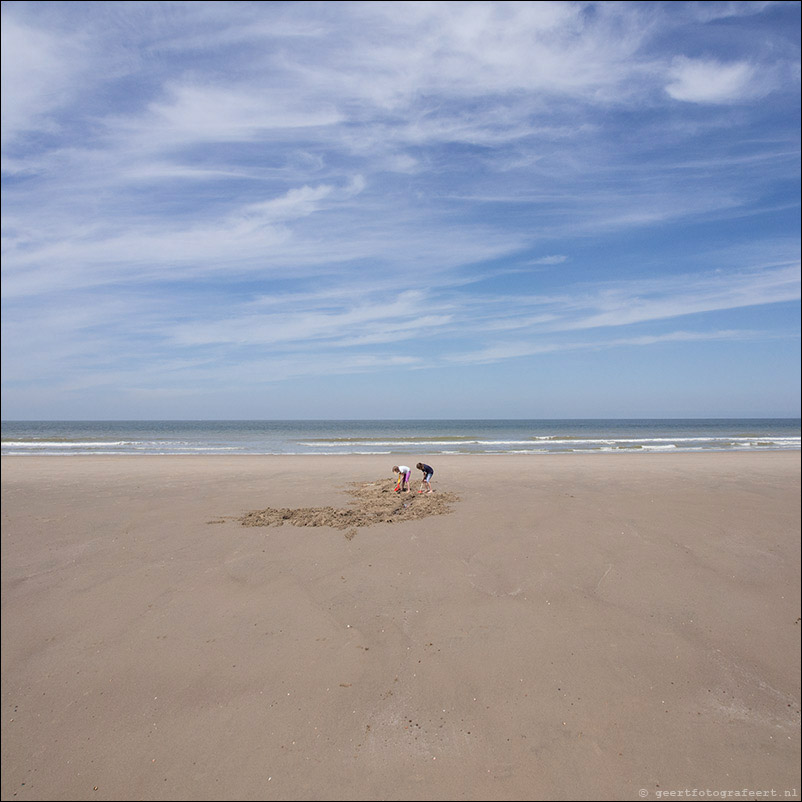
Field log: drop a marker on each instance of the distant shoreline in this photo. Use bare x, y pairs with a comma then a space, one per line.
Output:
402, 437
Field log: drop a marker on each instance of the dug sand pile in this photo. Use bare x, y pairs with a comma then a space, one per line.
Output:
374, 503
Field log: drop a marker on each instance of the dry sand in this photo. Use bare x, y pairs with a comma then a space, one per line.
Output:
575, 627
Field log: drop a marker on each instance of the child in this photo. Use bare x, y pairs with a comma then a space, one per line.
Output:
403, 478
428, 472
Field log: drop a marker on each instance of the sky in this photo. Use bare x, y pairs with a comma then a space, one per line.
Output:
335, 210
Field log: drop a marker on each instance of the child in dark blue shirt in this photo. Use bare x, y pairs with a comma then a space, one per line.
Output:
428, 471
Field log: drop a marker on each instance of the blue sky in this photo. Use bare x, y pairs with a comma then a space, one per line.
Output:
386, 210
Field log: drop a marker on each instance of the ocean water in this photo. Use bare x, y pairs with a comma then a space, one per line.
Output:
411, 437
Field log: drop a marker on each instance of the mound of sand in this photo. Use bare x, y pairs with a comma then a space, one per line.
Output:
374, 503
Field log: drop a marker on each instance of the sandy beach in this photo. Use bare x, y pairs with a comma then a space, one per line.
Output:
572, 627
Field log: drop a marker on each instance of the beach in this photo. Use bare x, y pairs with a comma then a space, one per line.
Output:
606, 626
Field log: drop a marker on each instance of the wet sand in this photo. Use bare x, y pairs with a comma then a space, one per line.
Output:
570, 627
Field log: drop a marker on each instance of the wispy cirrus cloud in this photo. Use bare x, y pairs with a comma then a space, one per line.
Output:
40, 74
705, 81
325, 188
517, 350
335, 321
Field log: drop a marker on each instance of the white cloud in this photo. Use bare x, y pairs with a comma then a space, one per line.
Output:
706, 11
612, 304
482, 48
709, 81
557, 259
196, 113
351, 323
505, 351
686, 295
39, 72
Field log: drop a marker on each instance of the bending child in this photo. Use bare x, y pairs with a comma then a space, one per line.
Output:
403, 478
428, 472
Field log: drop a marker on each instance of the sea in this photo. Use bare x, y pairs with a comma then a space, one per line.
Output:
412, 437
